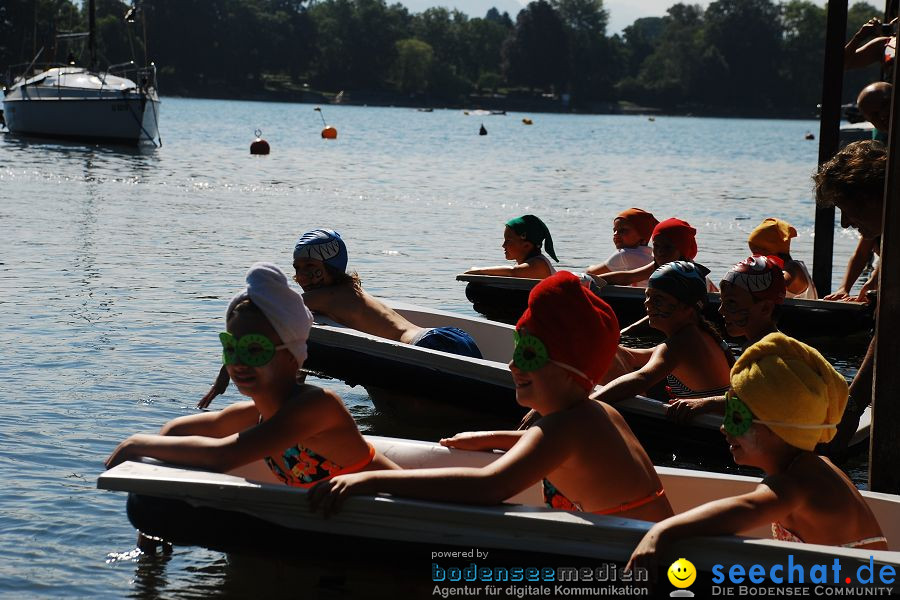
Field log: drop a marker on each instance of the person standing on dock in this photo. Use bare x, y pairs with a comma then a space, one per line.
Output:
853, 181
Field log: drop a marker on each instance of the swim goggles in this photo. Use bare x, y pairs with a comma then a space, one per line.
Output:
531, 354
253, 349
738, 418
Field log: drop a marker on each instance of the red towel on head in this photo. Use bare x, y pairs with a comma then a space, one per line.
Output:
681, 234
577, 327
642, 221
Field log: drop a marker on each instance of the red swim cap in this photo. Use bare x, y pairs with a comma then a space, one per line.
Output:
578, 328
642, 221
762, 276
681, 234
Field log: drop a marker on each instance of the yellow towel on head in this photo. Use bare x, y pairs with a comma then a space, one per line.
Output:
772, 236
785, 381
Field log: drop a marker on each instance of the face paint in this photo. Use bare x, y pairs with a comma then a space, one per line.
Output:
252, 350
661, 306
309, 273
530, 353
733, 313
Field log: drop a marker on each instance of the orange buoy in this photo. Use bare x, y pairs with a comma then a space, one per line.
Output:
527, 121
259, 145
329, 133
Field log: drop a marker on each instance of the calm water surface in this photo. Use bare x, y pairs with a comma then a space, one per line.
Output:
116, 267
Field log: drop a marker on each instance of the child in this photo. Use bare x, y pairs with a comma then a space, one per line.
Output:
587, 457
523, 238
784, 399
673, 239
773, 237
632, 231
320, 265
752, 292
693, 359
304, 433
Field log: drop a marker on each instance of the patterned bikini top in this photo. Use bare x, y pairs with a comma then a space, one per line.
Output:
307, 468
783, 534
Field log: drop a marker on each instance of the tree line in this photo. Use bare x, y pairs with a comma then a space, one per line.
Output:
742, 56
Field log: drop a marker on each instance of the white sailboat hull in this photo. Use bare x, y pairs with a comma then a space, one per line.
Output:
73, 103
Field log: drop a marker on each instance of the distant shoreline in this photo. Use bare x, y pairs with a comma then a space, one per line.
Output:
520, 103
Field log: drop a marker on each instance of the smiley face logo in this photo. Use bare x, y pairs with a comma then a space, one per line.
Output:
682, 573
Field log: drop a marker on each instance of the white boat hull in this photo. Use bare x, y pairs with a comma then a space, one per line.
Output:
75, 103
129, 120
485, 385
522, 525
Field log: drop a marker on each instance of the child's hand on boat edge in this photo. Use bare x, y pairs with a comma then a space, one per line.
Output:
329, 495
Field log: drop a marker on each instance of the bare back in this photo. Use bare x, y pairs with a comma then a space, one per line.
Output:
829, 510
354, 308
607, 448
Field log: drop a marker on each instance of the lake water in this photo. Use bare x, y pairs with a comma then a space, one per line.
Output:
116, 267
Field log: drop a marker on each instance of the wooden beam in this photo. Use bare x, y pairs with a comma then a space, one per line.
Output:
884, 451
829, 136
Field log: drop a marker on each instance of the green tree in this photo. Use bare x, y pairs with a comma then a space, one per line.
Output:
26, 26
669, 75
355, 42
803, 25
537, 52
414, 58
744, 37
588, 62
640, 40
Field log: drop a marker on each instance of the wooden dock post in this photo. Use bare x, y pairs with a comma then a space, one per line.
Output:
884, 441
829, 137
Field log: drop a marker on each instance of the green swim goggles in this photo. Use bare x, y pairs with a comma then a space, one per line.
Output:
530, 353
738, 418
252, 350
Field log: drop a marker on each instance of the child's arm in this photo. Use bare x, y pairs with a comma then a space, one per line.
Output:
720, 517
218, 424
483, 440
662, 362
316, 412
629, 277
598, 269
685, 409
537, 453
528, 270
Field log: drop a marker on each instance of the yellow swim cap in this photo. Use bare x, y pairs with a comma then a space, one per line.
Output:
791, 387
772, 236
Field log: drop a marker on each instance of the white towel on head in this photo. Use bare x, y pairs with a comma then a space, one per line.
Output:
267, 288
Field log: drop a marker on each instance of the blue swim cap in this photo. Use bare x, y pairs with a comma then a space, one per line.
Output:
683, 279
325, 245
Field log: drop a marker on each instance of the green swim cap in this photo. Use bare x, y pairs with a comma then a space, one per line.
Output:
534, 231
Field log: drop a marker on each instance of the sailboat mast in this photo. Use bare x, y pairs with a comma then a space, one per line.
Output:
92, 27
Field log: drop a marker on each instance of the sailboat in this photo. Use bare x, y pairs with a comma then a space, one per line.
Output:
119, 105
